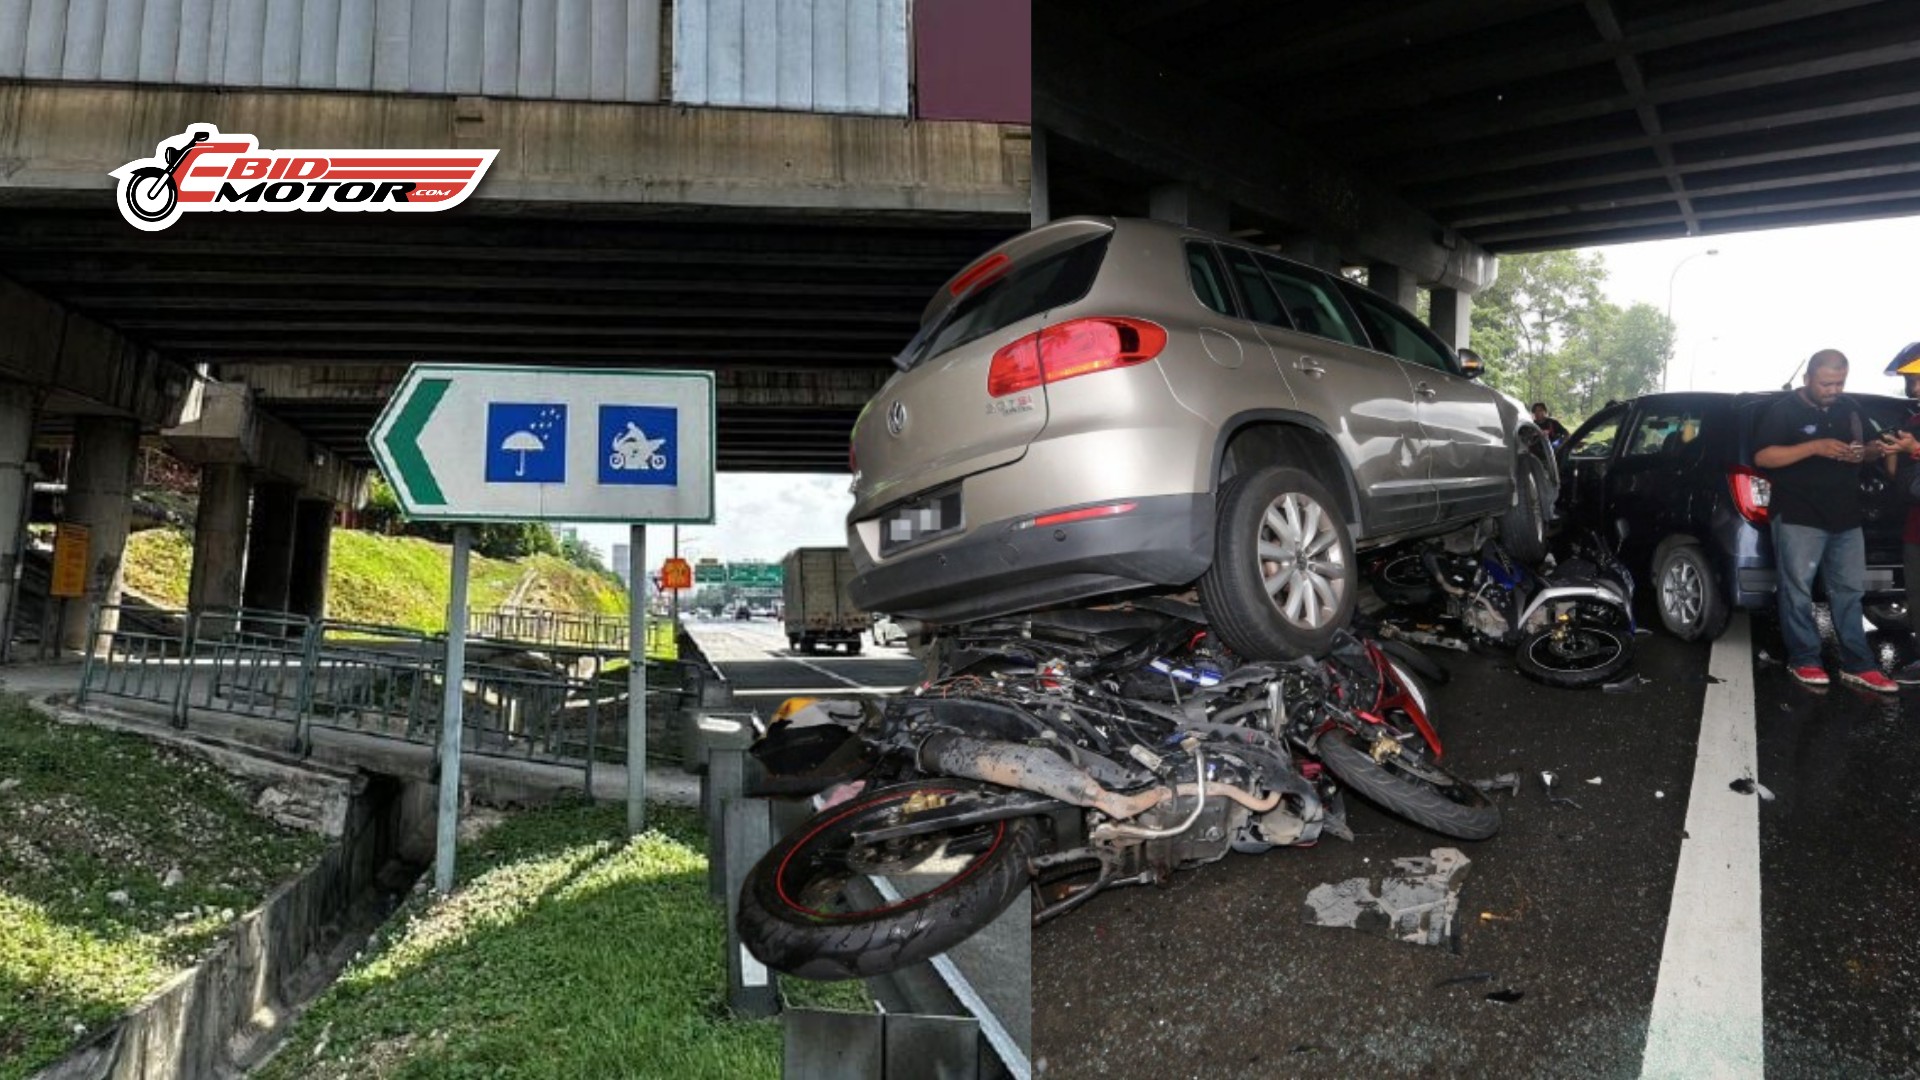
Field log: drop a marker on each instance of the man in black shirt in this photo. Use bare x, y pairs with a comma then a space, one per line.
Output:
1554, 430
1811, 448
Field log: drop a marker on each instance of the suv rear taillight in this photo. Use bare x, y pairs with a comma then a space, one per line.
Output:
1751, 493
1076, 347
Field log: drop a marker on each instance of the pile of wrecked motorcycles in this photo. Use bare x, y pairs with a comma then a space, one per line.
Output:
1067, 752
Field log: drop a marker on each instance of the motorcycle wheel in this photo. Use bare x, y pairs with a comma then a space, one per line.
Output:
1411, 785
1586, 656
1416, 661
794, 918
1404, 581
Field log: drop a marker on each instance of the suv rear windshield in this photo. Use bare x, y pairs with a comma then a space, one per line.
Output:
1036, 285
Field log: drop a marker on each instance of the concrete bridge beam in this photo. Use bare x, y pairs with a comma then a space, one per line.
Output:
48, 348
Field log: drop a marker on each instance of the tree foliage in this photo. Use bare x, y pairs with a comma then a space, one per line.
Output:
1547, 334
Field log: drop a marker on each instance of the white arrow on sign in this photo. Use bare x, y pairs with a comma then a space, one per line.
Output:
468, 442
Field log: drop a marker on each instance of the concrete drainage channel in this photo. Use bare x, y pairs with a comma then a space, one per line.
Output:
229, 1012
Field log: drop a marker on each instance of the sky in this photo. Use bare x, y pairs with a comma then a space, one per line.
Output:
1747, 318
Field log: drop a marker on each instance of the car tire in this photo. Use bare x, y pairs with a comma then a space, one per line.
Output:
1687, 594
1257, 595
1523, 528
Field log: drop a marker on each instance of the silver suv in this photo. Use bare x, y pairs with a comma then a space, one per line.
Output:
1102, 405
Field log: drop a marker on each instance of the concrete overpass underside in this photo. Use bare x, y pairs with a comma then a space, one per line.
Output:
1404, 133
798, 314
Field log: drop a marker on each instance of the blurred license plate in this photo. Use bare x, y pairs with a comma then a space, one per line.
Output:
922, 519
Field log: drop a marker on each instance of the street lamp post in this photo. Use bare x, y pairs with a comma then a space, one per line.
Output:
1671, 278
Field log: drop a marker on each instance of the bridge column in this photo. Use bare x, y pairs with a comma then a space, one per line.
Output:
270, 547
99, 496
1393, 283
1452, 316
16, 445
312, 545
1186, 204
219, 537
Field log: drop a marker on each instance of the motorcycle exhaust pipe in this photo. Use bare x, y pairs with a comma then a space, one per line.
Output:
1027, 768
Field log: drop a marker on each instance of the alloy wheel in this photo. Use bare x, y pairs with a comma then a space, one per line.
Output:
1301, 560
1682, 593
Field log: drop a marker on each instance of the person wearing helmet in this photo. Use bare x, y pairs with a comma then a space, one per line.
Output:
1906, 364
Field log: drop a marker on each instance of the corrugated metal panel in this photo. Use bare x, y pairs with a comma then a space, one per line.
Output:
606, 50
812, 55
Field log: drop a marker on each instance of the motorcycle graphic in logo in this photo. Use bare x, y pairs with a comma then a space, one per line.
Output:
203, 171
151, 193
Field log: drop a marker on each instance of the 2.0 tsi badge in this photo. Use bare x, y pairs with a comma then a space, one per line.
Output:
896, 418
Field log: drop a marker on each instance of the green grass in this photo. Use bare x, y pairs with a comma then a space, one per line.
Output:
389, 580
94, 813
158, 562
566, 951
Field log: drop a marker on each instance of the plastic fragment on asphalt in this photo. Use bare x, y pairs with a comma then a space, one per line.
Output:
1629, 685
1594, 780
1506, 781
1546, 780
1659, 794
1747, 785
1506, 997
1416, 904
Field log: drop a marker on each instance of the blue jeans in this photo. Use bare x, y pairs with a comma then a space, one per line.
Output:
1840, 558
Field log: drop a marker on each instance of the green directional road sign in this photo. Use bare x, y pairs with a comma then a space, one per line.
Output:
755, 575
709, 573
469, 442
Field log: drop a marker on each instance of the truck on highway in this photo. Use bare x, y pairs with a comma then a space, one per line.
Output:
818, 610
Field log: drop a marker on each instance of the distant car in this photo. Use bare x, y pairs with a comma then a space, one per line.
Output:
743, 612
1102, 405
1673, 475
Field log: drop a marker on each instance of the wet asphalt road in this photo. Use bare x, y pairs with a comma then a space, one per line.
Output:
1217, 975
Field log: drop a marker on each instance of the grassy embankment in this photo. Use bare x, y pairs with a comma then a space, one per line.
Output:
92, 825
566, 951
390, 580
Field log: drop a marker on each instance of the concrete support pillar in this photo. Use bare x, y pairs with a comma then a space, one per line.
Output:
270, 547
1393, 283
99, 496
1037, 188
1188, 205
1451, 316
219, 537
312, 545
17, 407
1313, 252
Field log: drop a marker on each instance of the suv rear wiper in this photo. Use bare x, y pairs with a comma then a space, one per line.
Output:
907, 357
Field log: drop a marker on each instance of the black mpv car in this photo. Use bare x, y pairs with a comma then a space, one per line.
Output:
1675, 473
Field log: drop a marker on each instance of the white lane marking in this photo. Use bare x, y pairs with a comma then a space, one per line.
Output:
1708, 1015
818, 670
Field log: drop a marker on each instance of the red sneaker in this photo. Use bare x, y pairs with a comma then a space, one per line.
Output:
1811, 676
1870, 680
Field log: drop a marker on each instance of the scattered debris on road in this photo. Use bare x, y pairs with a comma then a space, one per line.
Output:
1506, 997
1629, 685
1747, 785
1546, 780
1416, 905
1506, 781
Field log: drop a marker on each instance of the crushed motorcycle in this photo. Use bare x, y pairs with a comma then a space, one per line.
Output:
1065, 754
1569, 623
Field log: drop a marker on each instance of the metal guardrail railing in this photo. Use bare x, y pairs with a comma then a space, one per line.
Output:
376, 680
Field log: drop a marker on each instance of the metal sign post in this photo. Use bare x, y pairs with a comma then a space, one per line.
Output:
637, 684
452, 711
